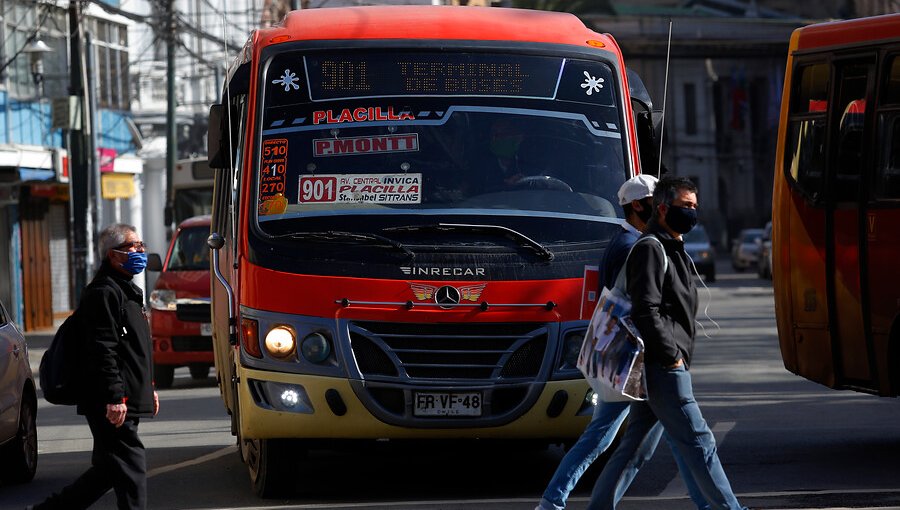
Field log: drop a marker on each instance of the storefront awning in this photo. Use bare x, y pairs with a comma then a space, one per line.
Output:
33, 162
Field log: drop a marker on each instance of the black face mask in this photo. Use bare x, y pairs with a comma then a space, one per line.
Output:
646, 211
681, 219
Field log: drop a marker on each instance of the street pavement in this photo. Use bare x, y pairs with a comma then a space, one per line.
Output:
215, 461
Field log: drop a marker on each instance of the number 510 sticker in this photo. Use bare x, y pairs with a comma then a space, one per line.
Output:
361, 188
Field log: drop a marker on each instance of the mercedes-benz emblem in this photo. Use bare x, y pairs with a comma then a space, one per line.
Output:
447, 296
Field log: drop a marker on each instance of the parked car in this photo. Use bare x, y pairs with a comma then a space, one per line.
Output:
180, 320
764, 266
18, 406
745, 249
697, 245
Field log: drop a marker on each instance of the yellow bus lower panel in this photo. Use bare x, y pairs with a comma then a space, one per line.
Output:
358, 423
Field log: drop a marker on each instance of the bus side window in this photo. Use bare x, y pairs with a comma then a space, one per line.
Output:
850, 104
223, 189
221, 202
805, 154
887, 178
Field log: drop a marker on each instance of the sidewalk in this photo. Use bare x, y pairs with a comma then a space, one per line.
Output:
39, 339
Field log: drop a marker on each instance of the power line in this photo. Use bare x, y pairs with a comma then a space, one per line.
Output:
209, 37
28, 39
199, 58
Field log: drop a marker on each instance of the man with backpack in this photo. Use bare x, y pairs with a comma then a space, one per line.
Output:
115, 368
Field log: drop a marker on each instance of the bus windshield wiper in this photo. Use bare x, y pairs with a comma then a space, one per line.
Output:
338, 235
521, 239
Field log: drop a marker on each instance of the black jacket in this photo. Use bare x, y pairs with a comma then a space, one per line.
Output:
117, 354
663, 306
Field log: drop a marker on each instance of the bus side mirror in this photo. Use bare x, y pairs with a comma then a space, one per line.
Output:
647, 138
154, 262
647, 122
218, 148
215, 241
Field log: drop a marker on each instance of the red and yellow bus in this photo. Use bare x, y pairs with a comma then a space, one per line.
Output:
837, 206
409, 208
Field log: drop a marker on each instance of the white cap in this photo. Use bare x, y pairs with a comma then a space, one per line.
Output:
636, 188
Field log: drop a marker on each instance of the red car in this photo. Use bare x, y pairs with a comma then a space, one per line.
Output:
180, 313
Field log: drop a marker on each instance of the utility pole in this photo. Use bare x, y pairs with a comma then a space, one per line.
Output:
172, 131
78, 154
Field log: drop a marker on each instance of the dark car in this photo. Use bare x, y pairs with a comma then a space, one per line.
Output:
18, 406
697, 245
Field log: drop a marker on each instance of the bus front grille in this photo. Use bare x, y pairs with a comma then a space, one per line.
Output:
499, 363
449, 352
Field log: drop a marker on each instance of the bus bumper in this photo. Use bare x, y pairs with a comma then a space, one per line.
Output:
318, 417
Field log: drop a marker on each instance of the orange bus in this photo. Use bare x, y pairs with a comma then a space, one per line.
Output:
410, 205
837, 206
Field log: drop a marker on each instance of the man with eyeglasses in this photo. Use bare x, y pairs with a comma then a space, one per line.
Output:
117, 389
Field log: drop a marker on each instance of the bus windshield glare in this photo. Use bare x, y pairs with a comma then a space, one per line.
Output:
381, 134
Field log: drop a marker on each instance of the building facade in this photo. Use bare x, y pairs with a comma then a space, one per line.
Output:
36, 266
723, 90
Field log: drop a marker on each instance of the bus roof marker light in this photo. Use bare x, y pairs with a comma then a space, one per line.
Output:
595, 43
279, 39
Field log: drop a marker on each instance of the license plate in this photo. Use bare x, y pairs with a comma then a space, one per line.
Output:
448, 404
206, 329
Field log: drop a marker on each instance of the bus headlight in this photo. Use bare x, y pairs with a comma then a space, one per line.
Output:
163, 300
315, 348
280, 341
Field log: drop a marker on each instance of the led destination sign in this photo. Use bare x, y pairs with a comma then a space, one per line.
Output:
441, 74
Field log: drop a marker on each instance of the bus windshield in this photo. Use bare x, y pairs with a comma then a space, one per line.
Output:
382, 134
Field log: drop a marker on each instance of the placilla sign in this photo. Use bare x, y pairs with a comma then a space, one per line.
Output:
361, 188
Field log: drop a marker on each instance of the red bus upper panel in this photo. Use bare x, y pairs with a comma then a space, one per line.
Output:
434, 22
845, 33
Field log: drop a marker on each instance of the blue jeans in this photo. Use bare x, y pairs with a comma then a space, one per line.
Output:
672, 403
596, 438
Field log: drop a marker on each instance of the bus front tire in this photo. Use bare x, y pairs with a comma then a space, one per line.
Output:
271, 464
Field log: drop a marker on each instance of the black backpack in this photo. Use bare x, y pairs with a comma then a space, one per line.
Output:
59, 370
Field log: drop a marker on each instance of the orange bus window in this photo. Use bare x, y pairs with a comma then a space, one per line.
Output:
812, 89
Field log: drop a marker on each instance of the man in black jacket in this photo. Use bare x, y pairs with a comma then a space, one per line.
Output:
117, 389
664, 308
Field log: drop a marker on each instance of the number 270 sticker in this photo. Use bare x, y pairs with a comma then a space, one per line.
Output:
361, 188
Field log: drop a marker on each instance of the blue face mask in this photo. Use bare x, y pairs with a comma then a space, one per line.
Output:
136, 262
